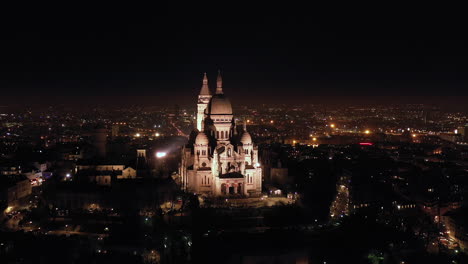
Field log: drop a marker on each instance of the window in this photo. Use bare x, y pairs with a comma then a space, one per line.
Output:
203, 152
217, 134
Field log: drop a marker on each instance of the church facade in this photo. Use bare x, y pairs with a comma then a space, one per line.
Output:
219, 159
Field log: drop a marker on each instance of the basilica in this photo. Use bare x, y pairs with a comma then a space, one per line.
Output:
220, 158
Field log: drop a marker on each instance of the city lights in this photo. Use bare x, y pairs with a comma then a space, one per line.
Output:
221, 133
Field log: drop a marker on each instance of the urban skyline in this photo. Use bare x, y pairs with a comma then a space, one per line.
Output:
233, 133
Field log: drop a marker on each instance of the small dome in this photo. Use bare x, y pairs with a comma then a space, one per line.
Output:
201, 139
220, 105
246, 138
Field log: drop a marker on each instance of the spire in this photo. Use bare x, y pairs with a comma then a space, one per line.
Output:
219, 84
245, 125
205, 90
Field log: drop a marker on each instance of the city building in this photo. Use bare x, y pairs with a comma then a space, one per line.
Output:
219, 160
14, 189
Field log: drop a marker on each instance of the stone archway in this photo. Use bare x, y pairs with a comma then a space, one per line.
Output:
232, 189
223, 188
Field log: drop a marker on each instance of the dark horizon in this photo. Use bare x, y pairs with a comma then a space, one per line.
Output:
449, 103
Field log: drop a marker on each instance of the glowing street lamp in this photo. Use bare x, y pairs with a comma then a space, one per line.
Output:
160, 154
367, 131
157, 134
137, 135
332, 125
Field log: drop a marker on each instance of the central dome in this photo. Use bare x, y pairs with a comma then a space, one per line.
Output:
220, 105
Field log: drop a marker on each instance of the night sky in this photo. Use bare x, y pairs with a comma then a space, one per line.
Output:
266, 53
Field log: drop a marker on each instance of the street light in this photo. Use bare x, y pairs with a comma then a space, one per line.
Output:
160, 154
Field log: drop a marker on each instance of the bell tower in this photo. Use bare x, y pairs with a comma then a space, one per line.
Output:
203, 100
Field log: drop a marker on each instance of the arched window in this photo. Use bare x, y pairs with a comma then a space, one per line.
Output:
229, 152
217, 134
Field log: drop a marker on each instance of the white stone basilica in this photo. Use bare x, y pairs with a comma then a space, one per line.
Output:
219, 161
